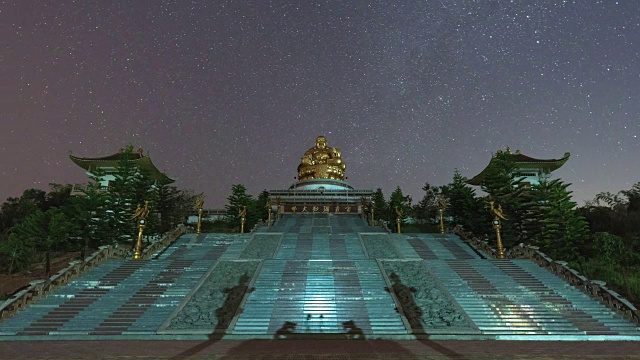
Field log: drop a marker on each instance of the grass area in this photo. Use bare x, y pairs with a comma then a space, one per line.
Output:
626, 282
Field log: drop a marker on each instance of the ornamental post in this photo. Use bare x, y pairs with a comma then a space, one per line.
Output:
497, 216
442, 205
399, 218
497, 226
199, 207
373, 220
243, 217
269, 210
141, 215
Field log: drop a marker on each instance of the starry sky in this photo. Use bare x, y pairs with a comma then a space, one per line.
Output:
225, 92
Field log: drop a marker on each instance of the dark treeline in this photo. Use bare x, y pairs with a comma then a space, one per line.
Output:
600, 239
40, 224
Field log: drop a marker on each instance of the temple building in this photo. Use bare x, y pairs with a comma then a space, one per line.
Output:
320, 186
108, 165
532, 170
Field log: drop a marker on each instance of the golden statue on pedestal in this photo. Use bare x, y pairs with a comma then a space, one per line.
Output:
321, 162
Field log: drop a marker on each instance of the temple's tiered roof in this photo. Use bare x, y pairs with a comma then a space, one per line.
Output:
112, 161
523, 162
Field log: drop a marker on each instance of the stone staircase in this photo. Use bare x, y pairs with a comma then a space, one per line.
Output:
319, 296
319, 274
124, 296
320, 223
517, 297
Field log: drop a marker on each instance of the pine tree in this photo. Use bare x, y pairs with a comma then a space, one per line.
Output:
426, 210
465, 208
47, 231
402, 202
90, 213
123, 198
563, 228
236, 202
17, 252
380, 211
261, 206
508, 191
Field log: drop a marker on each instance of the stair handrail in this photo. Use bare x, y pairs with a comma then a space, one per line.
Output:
38, 288
163, 242
475, 242
595, 288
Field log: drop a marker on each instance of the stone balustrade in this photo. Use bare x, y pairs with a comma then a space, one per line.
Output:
38, 288
594, 288
165, 241
481, 245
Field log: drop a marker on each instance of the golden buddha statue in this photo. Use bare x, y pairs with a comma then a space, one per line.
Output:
321, 162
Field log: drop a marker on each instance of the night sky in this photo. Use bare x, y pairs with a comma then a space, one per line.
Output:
225, 92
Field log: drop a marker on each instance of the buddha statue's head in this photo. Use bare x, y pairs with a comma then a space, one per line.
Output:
321, 142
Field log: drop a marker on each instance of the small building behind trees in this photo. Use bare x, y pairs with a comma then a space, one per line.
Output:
108, 166
530, 170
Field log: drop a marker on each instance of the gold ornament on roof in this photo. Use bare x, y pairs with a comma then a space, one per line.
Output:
321, 162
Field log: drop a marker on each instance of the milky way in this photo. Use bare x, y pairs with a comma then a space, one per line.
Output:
225, 92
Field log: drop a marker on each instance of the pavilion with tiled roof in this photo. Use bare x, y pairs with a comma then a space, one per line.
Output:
109, 165
529, 168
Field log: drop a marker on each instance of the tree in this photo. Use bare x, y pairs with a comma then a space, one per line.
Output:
58, 196
46, 230
17, 252
617, 214
261, 206
131, 187
465, 208
562, 227
15, 210
91, 215
402, 202
508, 191
427, 208
381, 209
236, 202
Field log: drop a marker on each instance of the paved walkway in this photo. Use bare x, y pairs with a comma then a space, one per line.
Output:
317, 349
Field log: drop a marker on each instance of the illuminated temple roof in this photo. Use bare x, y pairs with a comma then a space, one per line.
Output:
138, 158
523, 162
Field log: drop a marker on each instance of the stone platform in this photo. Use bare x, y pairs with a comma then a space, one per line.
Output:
318, 275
